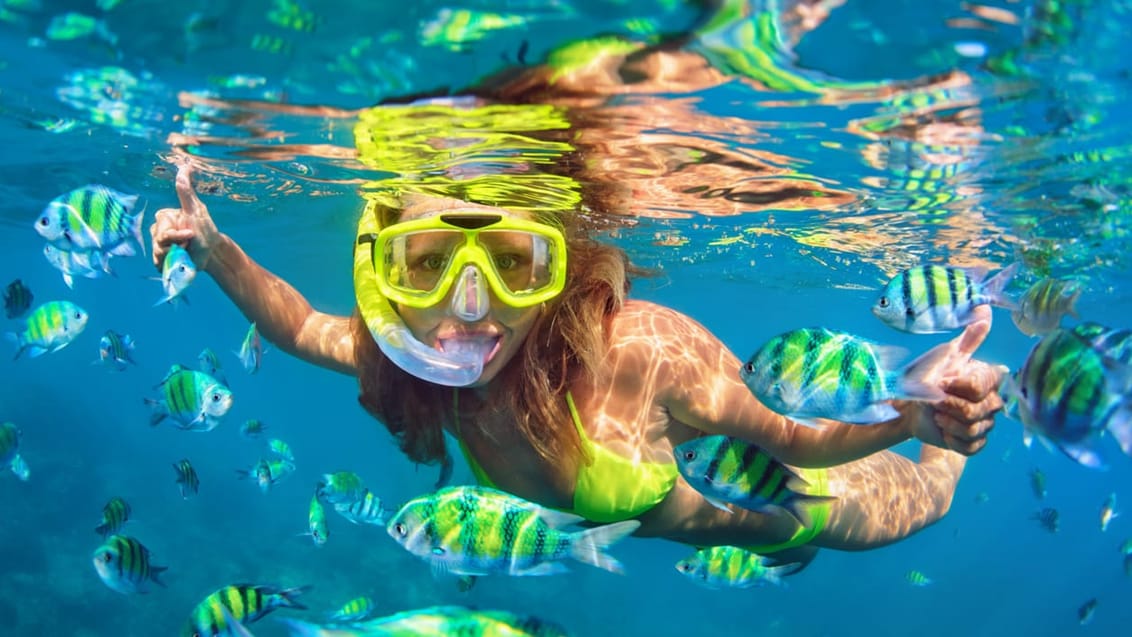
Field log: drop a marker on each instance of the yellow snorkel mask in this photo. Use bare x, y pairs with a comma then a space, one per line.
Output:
458, 254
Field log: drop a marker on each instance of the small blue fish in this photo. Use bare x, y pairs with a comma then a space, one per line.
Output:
124, 565
268, 472
364, 510
1086, 611
934, 298
251, 350
252, 428
89, 264
177, 273
10, 451
355, 610
194, 400
17, 299
115, 513
187, 478
209, 363
916, 578
1070, 395
50, 327
92, 218
115, 350
732, 567
1108, 511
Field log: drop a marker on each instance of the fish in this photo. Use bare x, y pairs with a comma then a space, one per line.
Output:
17, 299
365, 510
244, 603
267, 473
115, 350
357, 609
93, 218
469, 530
729, 470
1086, 611
91, 264
982, 497
114, 515
235, 627
1108, 511
732, 567
1038, 483
187, 478
252, 428
281, 449
316, 522
813, 373
436, 620
194, 400
1043, 305
916, 578
177, 273
1069, 395
49, 328
123, 564
1112, 343
1126, 547
251, 350
933, 298
339, 487
209, 363
9, 451
1047, 518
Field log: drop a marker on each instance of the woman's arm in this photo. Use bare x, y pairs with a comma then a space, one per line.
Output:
701, 388
281, 314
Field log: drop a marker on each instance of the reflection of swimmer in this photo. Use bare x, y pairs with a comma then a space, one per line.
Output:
485, 311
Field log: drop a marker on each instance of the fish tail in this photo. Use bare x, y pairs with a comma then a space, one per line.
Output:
914, 381
136, 228
995, 287
18, 341
159, 411
285, 598
774, 574
154, 572
589, 546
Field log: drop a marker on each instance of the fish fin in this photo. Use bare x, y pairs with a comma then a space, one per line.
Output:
123, 249
136, 227
1086, 452
18, 341
546, 568
155, 572
995, 287
1120, 426
589, 546
889, 356
916, 380
465, 583
798, 506
299, 628
35, 350
556, 519
719, 504
69, 280
286, 597
159, 411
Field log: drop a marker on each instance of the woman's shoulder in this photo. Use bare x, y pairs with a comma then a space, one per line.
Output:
639, 317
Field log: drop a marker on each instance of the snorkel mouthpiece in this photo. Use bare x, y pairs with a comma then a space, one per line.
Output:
470, 301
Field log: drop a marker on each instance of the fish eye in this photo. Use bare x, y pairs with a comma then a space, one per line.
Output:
683, 568
749, 367
78, 316
689, 455
43, 221
216, 398
883, 302
399, 529
181, 268
107, 557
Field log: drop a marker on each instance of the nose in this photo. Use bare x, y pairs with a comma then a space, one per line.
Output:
470, 301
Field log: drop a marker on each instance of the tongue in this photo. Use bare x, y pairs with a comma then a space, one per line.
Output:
477, 348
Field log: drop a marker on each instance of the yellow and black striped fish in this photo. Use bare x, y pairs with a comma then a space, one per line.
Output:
192, 399
92, 218
49, 328
123, 564
935, 298
186, 477
114, 514
245, 603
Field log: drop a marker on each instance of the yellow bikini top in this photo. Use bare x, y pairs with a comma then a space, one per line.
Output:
610, 488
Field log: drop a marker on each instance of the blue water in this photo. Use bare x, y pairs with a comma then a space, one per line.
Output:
1044, 180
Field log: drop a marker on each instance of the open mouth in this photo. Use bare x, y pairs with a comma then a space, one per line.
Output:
479, 346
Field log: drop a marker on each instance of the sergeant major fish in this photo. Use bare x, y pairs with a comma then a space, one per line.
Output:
813, 373
244, 603
251, 350
209, 363
10, 451
1108, 511
479, 531
435, 621
268, 472
187, 479
1069, 394
124, 565
89, 264
365, 510
934, 298
92, 218
17, 299
49, 328
316, 522
1044, 304
732, 567
114, 514
115, 350
194, 400
726, 469
177, 272
355, 610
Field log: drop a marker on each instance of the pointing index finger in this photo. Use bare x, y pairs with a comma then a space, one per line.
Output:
190, 202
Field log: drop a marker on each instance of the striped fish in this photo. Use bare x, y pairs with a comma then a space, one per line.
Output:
1044, 304
354, 610
177, 273
365, 510
252, 428
245, 603
267, 473
114, 514
251, 350
194, 400
1113, 343
730, 470
115, 350
813, 373
934, 298
92, 218
316, 522
49, 328
9, 451
479, 531
187, 478
281, 449
732, 567
90, 264
339, 487
916, 578
1070, 395
209, 363
17, 299
436, 620
124, 565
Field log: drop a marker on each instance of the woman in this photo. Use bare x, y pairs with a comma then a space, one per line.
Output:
483, 315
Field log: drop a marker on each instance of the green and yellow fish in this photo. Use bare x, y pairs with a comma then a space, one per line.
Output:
9, 451
123, 564
244, 603
479, 531
438, 620
194, 400
92, 218
114, 514
49, 328
355, 610
732, 567
936, 298
1044, 304
316, 522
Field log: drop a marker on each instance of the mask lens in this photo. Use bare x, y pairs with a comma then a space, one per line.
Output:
417, 262
521, 260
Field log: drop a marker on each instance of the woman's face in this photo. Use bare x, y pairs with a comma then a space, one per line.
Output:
497, 333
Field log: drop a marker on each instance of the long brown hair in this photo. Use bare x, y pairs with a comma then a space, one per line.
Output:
567, 342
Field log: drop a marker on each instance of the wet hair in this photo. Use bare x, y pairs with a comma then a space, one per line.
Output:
565, 344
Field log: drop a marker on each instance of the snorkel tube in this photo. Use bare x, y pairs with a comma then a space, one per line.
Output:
454, 369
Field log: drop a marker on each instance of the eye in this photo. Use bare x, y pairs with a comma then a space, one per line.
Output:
216, 398
883, 302
181, 268
399, 529
43, 221
749, 368
107, 557
434, 262
506, 261
683, 568
689, 455
78, 316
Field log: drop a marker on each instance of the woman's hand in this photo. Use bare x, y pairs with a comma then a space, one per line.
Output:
190, 225
964, 417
